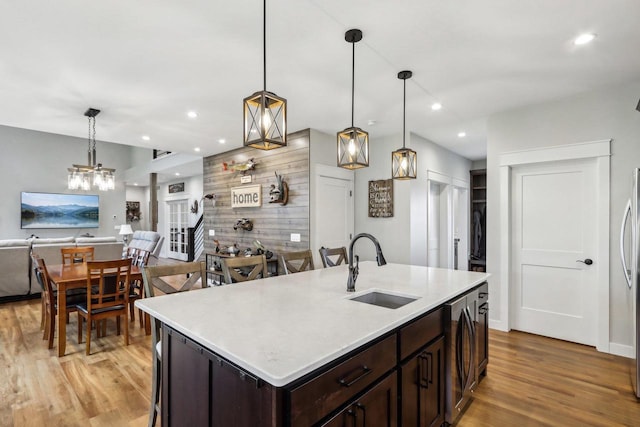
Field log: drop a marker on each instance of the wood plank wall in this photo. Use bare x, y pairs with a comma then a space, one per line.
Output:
273, 223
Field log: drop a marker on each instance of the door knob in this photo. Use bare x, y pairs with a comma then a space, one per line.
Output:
587, 261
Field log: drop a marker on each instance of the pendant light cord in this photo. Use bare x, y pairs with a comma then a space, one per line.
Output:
404, 112
353, 77
264, 44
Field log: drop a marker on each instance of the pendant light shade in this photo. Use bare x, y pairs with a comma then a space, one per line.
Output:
404, 161
353, 142
265, 113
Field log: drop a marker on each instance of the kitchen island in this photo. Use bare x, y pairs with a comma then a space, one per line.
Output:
296, 350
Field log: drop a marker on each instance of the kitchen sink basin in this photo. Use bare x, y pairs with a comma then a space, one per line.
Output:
383, 299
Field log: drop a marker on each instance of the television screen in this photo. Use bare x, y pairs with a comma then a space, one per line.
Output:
52, 210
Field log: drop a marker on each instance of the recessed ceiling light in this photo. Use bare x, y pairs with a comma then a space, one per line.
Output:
177, 173
462, 134
222, 140
146, 138
192, 114
371, 122
135, 183
584, 39
197, 149
436, 106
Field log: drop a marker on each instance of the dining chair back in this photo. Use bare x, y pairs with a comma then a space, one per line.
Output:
167, 279
107, 296
49, 299
139, 257
74, 254
295, 262
243, 269
333, 256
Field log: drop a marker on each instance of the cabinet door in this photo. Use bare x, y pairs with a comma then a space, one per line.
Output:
376, 408
423, 397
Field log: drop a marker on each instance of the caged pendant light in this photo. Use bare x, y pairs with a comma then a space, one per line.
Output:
404, 161
81, 177
265, 113
353, 142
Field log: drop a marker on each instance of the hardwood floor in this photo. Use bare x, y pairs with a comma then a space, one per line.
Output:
532, 381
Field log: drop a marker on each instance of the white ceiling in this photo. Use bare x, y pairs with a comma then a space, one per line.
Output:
146, 63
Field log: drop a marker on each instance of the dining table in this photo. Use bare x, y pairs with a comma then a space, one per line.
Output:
73, 276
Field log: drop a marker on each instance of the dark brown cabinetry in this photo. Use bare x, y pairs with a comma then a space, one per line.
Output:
423, 398
477, 217
482, 330
376, 408
400, 379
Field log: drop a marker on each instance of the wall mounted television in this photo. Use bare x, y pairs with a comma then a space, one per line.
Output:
54, 210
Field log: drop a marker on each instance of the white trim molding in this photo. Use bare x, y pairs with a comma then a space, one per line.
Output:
601, 152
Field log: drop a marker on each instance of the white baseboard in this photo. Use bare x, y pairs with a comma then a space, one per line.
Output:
621, 350
497, 324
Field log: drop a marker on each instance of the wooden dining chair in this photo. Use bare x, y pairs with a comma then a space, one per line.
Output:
50, 299
333, 256
74, 254
107, 296
243, 269
295, 262
167, 279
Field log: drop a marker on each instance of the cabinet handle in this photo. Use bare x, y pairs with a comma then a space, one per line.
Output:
364, 413
345, 380
425, 376
352, 414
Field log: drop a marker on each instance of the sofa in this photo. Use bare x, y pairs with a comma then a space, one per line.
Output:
17, 278
14, 264
148, 240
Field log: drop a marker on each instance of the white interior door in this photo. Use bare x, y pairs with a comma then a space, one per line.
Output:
334, 210
178, 222
554, 209
460, 213
439, 251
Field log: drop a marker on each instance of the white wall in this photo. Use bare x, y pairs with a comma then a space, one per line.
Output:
38, 161
404, 236
139, 194
603, 114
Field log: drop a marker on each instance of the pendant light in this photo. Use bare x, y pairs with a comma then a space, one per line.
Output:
404, 161
81, 177
265, 113
353, 142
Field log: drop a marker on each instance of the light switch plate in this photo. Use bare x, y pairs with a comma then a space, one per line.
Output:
295, 237
212, 233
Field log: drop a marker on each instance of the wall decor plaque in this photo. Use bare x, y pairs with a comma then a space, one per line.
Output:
176, 188
381, 198
247, 196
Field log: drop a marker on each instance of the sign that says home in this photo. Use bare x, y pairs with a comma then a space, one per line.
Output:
247, 196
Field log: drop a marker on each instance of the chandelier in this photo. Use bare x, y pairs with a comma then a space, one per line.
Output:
82, 177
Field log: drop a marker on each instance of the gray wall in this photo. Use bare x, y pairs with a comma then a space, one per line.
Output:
603, 114
404, 236
38, 162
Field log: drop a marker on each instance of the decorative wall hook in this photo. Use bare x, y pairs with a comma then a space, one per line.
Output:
210, 196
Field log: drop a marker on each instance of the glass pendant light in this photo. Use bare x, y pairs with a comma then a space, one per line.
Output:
265, 113
404, 161
353, 142
81, 177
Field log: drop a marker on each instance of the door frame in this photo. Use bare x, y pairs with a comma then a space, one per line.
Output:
601, 152
167, 222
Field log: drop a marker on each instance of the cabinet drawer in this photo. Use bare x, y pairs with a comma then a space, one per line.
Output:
318, 397
420, 332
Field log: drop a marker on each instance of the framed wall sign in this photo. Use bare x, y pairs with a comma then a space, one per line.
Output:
247, 196
381, 198
176, 188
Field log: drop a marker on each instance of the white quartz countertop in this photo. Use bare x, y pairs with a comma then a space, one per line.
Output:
284, 327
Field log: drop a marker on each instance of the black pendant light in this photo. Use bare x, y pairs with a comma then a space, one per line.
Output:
265, 113
404, 161
353, 142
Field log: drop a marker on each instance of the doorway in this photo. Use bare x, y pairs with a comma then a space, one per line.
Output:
177, 223
554, 246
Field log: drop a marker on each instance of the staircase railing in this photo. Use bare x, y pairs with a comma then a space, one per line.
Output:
196, 240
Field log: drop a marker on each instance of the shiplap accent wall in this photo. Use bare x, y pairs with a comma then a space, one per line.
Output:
273, 223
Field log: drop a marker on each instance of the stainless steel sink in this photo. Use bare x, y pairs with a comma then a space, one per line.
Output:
383, 299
